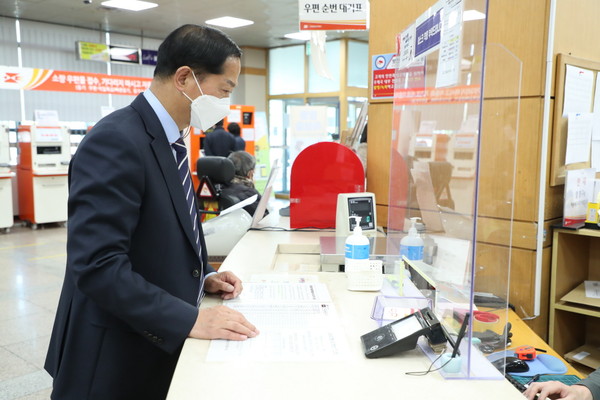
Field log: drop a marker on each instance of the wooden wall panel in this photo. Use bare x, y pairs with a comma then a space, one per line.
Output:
492, 265
521, 27
576, 29
495, 188
390, 17
378, 151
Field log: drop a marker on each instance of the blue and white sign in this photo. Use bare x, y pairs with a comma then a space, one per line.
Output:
428, 34
149, 57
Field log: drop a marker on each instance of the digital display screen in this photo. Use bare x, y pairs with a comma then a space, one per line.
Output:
48, 150
406, 327
247, 118
127, 55
363, 208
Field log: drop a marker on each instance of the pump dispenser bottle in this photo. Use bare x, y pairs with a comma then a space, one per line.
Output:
357, 249
411, 246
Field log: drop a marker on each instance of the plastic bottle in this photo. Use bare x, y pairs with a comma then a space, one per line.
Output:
357, 249
411, 246
429, 245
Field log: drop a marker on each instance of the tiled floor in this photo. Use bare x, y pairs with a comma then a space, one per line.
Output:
32, 265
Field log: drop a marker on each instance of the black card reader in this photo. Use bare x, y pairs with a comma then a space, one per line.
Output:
403, 334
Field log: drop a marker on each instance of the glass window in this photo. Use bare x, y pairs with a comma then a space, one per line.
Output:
358, 64
286, 70
278, 138
354, 106
318, 83
333, 114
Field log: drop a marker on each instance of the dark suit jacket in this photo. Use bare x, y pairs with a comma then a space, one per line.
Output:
219, 142
131, 284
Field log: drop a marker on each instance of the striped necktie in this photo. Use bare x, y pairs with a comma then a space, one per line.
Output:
188, 188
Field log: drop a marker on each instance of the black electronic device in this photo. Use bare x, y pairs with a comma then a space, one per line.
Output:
402, 335
510, 364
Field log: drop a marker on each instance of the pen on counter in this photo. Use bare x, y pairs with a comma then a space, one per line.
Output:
533, 379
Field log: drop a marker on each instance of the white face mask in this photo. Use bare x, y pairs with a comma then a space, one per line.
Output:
207, 110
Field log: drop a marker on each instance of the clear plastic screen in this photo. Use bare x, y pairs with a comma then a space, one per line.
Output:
453, 163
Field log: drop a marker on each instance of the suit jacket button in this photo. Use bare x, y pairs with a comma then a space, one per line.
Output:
155, 339
196, 273
160, 340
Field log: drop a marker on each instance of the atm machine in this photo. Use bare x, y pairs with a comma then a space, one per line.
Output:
45, 152
6, 202
461, 154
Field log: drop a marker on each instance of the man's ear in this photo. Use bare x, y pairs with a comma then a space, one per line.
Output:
183, 78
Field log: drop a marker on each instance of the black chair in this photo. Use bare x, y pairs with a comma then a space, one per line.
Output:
214, 173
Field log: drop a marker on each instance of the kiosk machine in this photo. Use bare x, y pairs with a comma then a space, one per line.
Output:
6, 205
42, 172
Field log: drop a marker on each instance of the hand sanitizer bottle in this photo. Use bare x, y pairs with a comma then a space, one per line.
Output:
357, 250
411, 246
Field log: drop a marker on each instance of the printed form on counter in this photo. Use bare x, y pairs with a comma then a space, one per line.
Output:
297, 322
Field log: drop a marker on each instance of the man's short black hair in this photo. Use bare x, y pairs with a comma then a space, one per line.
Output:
202, 48
234, 128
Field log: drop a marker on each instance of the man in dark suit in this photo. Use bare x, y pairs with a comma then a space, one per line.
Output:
137, 264
219, 142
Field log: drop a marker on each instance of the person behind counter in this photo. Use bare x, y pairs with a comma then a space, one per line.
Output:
587, 389
235, 130
242, 184
218, 142
137, 265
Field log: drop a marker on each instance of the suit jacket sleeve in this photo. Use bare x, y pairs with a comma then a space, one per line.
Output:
592, 382
107, 189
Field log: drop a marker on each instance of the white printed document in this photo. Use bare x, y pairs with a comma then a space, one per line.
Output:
297, 322
592, 289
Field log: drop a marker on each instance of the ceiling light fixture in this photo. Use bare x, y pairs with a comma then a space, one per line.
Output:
131, 5
472, 15
303, 35
229, 22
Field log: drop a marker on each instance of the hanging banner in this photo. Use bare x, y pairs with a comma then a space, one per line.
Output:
322, 15
421, 95
67, 81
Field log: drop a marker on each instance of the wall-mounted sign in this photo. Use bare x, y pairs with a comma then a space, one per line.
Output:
320, 15
149, 57
92, 51
128, 55
384, 69
67, 81
428, 34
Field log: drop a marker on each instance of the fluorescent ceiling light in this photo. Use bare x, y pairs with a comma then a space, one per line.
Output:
229, 22
303, 35
131, 5
472, 15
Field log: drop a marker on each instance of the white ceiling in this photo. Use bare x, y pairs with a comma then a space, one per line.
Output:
272, 18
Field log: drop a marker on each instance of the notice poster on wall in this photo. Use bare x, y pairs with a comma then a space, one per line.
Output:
579, 189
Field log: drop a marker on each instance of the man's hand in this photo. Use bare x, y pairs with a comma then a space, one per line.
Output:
225, 283
222, 322
557, 390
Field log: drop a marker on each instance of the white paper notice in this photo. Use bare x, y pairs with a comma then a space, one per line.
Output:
592, 289
579, 85
596, 155
297, 322
283, 292
449, 59
596, 124
579, 134
406, 44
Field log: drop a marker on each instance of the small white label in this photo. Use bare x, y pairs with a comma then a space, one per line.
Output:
592, 289
581, 355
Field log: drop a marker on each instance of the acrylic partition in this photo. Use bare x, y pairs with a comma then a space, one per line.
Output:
453, 163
